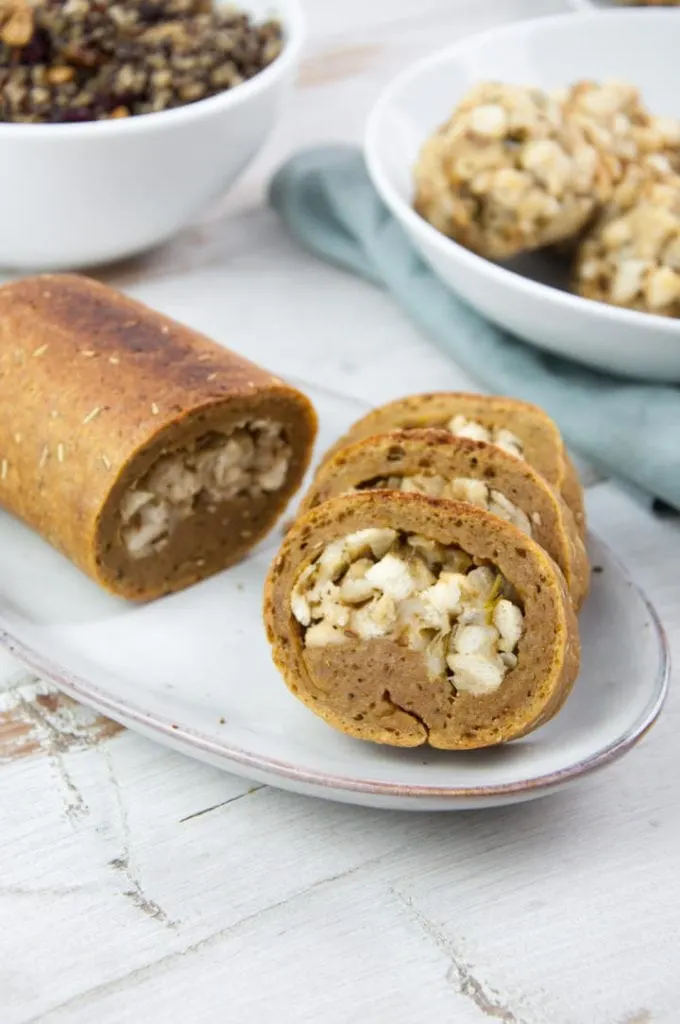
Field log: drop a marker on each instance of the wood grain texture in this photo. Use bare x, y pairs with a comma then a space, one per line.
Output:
137, 885
37, 719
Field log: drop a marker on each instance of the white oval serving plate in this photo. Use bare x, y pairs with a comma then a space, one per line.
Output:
528, 296
193, 671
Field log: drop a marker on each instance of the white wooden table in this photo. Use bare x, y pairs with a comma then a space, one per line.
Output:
137, 885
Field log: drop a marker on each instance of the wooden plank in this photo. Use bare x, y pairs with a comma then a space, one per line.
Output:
36, 718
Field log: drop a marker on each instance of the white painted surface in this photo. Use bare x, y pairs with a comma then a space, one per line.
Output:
123, 898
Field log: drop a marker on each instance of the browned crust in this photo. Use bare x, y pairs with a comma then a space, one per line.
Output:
409, 452
93, 387
572, 492
380, 691
542, 441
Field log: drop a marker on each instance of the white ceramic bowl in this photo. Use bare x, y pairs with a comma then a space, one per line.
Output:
589, 5
528, 296
76, 195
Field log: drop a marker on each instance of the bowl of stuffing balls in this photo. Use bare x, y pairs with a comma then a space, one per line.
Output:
122, 121
536, 169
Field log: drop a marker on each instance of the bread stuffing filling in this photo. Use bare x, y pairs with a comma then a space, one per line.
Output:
381, 583
460, 426
508, 171
462, 488
250, 460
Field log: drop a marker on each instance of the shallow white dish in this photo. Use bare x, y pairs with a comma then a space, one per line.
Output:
193, 671
528, 296
77, 195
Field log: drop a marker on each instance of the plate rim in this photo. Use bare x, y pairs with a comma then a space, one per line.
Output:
187, 740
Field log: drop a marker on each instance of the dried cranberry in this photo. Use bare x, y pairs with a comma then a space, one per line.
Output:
150, 13
39, 48
74, 115
108, 101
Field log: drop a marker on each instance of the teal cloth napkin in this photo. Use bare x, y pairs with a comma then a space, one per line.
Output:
632, 430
